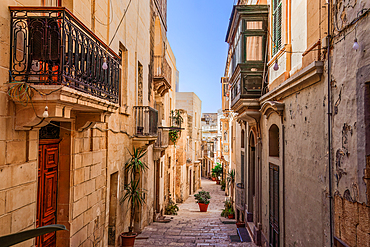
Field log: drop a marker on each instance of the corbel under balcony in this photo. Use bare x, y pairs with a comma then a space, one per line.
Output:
146, 126
270, 107
61, 102
162, 75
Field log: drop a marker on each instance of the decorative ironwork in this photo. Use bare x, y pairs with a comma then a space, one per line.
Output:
162, 69
50, 131
162, 139
51, 46
146, 121
162, 9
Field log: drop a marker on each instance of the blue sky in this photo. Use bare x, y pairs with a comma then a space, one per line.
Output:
196, 30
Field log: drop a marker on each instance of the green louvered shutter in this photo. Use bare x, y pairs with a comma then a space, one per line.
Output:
276, 26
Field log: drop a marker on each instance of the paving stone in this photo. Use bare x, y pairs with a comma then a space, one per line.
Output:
193, 228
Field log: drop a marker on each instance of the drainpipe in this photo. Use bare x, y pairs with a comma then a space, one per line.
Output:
330, 134
283, 165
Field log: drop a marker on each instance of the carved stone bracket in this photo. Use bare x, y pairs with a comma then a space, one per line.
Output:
61, 102
270, 107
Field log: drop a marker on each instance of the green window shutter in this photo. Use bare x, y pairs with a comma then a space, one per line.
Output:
276, 26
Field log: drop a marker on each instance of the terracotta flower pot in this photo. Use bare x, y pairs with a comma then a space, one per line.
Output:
213, 179
203, 207
240, 224
231, 216
217, 181
128, 240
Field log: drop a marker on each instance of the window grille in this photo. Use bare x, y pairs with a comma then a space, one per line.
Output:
276, 26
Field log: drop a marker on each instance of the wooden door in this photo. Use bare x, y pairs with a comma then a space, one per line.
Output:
47, 189
157, 184
274, 205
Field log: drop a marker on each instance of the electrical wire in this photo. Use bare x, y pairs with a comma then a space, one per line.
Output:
110, 22
120, 22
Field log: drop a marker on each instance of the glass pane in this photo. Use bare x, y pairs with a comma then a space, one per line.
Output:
254, 25
254, 48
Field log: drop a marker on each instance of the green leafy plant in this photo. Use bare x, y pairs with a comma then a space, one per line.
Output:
134, 194
171, 208
173, 135
202, 197
231, 182
226, 211
223, 185
176, 118
231, 211
217, 170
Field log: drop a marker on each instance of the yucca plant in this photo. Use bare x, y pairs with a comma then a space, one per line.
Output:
134, 194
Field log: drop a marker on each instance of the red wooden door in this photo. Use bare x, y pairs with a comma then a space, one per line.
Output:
47, 189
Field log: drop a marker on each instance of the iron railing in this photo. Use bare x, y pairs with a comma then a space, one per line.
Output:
162, 69
239, 196
162, 139
146, 121
49, 45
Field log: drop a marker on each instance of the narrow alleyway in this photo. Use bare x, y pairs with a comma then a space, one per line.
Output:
191, 227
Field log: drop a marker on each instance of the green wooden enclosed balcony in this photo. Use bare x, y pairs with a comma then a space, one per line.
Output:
246, 35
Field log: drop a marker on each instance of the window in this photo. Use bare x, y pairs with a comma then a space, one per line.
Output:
123, 76
274, 141
276, 25
254, 48
242, 139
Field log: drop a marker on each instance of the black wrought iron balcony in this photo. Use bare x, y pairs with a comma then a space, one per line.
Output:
146, 121
162, 75
50, 46
162, 141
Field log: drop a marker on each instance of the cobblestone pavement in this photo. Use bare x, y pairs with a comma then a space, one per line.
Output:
191, 227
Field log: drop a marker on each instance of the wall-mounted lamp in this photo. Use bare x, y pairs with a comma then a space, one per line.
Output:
355, 45
46, 113
276, 66
105, 65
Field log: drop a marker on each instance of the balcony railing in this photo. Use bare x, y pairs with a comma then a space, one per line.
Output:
239, 196
248, 87
146, 121
162, 70
162, 139
49, 46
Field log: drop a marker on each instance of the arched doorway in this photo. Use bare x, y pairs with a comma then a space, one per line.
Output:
251, 175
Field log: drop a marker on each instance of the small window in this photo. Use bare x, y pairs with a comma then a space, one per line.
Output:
253, 25
242, 139
276, 26
254, 48
274, 141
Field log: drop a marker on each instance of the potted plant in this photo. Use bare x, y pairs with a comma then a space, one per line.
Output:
176, 121
240, 224
213, 176
134, 194
231, 213
202, 198
228, 205
231, 183
171, 208
217, 170
173, 136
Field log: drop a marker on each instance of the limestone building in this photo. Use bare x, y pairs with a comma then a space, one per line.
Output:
210, 131
82, 83
188, 150
296, 83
